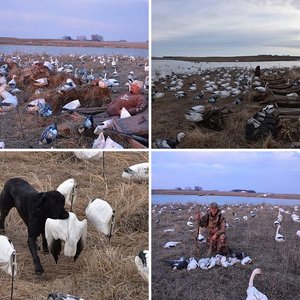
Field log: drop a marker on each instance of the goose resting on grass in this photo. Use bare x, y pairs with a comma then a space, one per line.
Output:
101, 215
279, 237
252, 292
169, 144
72, 231
137, 172
7, 256
69, 189
142, 264
171, 244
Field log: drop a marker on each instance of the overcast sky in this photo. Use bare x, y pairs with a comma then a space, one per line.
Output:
263, 171
113, 19
225, 27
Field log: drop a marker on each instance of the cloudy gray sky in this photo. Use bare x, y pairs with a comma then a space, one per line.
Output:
225, 27
263, 171
113, 19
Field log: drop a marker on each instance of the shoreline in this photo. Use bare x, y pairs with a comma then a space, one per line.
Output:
250, 58
225, 193
72, 43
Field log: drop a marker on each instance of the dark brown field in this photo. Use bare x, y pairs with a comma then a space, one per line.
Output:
103, 270
65, 43
278, 261
168, 117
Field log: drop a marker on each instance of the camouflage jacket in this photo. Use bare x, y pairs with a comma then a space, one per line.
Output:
216, 224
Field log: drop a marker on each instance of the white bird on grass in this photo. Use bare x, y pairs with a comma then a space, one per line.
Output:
192, 264
279, 237
72, 231
169, 144
201, 239
171, 244
137, 172
69, 189
7, 256
100, 214
246, 260
60, 296
142, 264
252, 292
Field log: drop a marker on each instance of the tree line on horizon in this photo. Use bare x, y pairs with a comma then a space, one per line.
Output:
94, 37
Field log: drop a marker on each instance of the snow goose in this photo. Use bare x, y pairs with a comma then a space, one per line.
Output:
142, 264
201, 239
100, 214
49, 134
169, 144
246, 260
171, 244
72, 231
192, 264
61, 296
279, 237
69, 189
252, 292
68, 86
7, 256
262, 89
137, 172
203, 263
10, 101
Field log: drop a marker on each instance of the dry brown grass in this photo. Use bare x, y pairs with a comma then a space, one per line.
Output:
103, 270
278, 261
168, 120
89, 95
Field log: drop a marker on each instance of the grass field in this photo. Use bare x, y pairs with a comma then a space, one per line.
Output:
279, 262
103, 270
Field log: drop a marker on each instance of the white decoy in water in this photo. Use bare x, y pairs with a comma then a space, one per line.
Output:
61, 296
252, 292
100, 214
142, 264
69, 189
72, 231
137, 172
279, 237
49, 134
171, 244
169, 144
7, 256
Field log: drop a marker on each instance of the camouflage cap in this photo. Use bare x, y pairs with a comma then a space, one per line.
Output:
214, 204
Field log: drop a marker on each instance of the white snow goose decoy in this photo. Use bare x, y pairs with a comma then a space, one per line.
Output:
138, 172
279, 237
69, 189
252, 292
72, 231
169, 144
171, 244
101, 216
7, 256
142, 264
61, 296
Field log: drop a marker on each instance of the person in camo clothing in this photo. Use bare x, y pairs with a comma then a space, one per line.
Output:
215, 223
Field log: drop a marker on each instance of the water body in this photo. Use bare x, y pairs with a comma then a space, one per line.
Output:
165, 199
53, 50
166, 67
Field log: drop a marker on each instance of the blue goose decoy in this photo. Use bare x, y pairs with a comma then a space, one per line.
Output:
88, 123
45, 110
49, 134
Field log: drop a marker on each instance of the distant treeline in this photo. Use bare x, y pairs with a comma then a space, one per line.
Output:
243, 191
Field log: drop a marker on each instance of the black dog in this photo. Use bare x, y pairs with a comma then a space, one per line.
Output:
34, 208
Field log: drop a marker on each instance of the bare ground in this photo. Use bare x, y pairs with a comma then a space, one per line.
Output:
103, 270
278, 261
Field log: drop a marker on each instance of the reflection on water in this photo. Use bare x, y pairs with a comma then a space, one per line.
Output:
166, 67
164, 199
52, 50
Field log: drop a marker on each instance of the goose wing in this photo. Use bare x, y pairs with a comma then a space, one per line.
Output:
82, 239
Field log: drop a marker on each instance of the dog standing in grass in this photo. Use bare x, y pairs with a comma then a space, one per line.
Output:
34, 208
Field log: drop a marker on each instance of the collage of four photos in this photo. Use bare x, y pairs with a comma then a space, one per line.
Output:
149, 150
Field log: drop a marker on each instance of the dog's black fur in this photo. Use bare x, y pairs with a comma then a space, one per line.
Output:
34, 208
